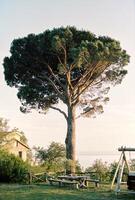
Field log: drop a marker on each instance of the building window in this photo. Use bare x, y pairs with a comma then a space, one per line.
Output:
20, 154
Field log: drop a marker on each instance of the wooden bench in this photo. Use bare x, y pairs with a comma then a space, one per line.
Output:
51, 181
92, 181
72, 184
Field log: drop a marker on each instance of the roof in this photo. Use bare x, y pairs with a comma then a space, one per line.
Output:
21, 143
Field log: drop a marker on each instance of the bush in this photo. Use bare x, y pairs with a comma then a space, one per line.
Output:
100, 171
12, 168
113, 167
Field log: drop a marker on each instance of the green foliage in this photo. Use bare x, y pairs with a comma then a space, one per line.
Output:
105, 172
132, 164
3, 125
12, 169
53, 157
23, 138
4, 131
55, 151
37, 169
68, 166
112, 170
2, 136
100, 170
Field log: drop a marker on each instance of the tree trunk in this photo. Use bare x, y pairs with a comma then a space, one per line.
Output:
71, 139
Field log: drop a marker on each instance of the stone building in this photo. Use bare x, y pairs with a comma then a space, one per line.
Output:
13, 144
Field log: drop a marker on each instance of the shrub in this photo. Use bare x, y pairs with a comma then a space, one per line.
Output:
100, 170
12, 168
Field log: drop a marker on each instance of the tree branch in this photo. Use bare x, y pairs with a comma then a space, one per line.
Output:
68, 70
75, 100
53, 85
58, 81
84, 113
58, 109
87, 73
62, 63
83, 80
65, 54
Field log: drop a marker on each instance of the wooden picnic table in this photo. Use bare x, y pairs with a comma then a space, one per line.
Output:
71, 178
82, 180
62, 181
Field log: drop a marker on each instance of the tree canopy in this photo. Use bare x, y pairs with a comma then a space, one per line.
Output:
3, 125
52, 158
42, 65
4, 132
54, 153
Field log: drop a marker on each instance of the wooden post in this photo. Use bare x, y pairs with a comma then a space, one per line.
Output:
117, 169
120, 176
30, 177
126, 162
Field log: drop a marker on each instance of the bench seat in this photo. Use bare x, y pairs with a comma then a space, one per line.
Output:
92, 181
73, 184
51, 181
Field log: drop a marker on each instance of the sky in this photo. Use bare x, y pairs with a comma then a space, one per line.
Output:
116, 126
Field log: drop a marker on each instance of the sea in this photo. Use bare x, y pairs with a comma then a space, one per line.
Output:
87, 159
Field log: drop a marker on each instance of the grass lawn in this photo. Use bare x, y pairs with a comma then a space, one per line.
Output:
45, 192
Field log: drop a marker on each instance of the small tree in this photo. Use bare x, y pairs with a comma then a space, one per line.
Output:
3, 129
23, 137
65, 65
132, 164
3, 125
100, 170
113, 167
53, 157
